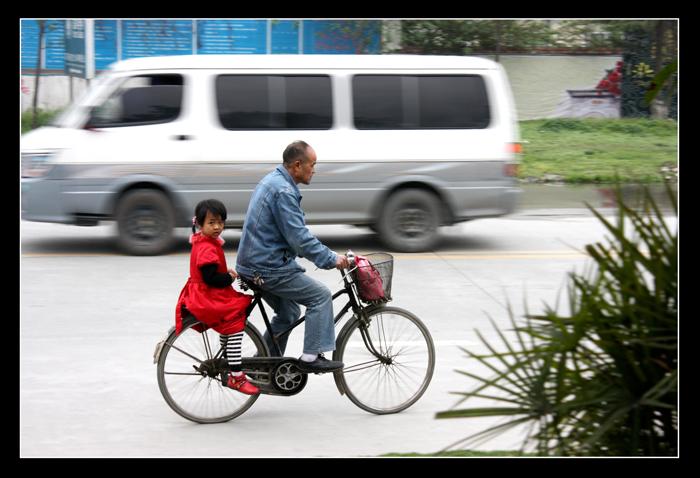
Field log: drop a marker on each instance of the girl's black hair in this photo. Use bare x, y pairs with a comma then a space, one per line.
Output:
214, 206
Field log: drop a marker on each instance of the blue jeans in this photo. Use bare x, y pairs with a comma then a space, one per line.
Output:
284, 295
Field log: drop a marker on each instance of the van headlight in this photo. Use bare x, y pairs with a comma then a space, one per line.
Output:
37, 164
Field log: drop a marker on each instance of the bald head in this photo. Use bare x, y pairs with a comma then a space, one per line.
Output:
300, 161
296, 151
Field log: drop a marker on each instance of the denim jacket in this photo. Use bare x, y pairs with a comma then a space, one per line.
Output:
275, 233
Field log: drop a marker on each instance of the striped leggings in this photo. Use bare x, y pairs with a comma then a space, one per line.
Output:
232, 348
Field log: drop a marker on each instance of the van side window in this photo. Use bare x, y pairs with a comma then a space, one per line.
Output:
420, 102
260, 102
140, 100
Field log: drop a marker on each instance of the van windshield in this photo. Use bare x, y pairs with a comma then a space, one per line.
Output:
76, 112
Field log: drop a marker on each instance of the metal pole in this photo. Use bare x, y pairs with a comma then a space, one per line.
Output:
301, 37
89, 48
268, 37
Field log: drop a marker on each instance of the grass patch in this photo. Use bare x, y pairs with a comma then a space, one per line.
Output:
459, 453
44, 117
598, 150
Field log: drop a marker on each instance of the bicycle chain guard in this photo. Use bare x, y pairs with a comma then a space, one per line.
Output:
288, 379
275, 375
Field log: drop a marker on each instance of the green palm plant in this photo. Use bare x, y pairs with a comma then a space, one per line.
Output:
602, 381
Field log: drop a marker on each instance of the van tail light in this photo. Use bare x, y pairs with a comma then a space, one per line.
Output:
511, 169
516, 148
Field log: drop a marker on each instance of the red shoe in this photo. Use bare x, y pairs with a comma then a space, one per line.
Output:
242, 385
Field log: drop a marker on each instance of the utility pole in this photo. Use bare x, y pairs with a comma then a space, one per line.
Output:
498, 40
42, 26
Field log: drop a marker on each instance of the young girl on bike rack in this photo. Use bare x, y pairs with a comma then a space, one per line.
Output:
208, 294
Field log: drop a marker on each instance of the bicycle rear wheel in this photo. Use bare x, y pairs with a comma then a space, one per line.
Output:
189, 374
399, 378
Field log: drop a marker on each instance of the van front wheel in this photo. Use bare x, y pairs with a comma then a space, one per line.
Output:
145, 222
410, 221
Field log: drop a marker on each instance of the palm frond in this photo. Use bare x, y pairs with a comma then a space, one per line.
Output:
602, 381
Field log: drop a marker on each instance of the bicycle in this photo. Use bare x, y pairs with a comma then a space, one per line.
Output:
388, 357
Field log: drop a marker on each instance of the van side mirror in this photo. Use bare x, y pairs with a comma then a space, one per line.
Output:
90, 122
94, 119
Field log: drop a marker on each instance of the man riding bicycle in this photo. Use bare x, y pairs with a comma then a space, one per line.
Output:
274, 235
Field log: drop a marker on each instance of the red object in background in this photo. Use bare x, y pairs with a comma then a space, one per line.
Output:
23, 88
612, 80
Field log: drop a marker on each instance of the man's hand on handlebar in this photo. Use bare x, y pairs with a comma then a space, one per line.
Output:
342, 262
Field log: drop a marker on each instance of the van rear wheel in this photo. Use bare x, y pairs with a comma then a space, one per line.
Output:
145, 222
410, 221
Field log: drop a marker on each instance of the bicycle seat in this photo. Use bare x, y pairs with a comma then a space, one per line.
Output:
246, 284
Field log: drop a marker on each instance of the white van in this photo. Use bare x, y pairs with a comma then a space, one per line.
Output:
405, 143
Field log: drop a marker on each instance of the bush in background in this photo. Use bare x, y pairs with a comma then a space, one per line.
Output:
44, 117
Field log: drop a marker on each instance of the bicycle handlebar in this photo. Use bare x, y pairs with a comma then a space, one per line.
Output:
351, 257
351, 263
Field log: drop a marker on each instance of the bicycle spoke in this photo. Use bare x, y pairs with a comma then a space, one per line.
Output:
185, 353
361, 366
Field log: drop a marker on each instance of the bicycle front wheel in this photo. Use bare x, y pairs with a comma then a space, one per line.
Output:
189, 374
399, 374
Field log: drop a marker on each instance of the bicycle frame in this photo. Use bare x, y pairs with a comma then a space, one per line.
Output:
352, 303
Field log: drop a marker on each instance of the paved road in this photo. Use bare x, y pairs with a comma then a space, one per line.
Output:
90, 319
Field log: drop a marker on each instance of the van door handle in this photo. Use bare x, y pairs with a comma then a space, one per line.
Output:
182, 137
